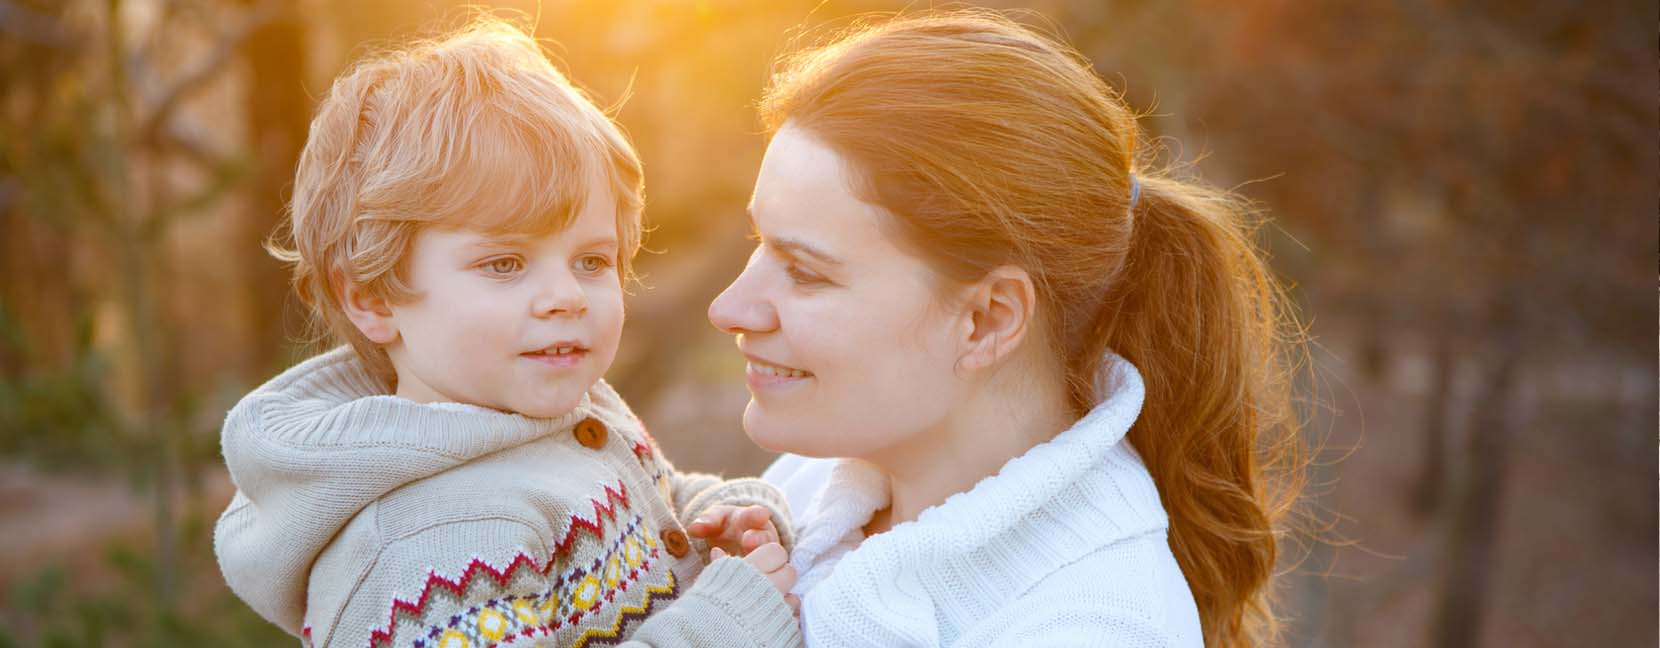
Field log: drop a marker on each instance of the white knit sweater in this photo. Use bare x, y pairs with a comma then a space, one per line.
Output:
1064, 546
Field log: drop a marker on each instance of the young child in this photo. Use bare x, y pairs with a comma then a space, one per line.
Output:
458, 474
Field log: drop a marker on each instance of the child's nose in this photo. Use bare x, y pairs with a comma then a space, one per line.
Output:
560, 295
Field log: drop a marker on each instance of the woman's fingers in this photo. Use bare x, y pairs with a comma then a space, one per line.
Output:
783, 578
768, 557
772, 561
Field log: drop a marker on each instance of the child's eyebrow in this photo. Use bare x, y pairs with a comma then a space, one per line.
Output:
500, 241
518, 241
606, 242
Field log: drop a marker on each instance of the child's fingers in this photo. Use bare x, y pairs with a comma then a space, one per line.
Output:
711, 522
794, 602
716, 554
752, 517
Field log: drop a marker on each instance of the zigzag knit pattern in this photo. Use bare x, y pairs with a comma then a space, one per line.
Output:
488, 605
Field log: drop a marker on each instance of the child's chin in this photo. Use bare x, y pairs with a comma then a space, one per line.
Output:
549, 407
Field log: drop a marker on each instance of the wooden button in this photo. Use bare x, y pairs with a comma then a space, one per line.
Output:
590, 433
675, 541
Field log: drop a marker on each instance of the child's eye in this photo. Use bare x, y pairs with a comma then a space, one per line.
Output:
593, 263
503, 265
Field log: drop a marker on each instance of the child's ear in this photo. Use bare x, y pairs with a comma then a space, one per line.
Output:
368, 312
1001, 308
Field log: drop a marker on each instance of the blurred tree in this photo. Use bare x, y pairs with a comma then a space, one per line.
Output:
1486, 171
105, 172
278, 112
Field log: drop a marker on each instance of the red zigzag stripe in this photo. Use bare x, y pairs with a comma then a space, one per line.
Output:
602, 511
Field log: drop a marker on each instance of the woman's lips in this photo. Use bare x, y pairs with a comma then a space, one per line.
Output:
764, 375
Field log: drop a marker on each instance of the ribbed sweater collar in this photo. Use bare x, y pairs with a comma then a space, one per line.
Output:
1093, 446
1084, 489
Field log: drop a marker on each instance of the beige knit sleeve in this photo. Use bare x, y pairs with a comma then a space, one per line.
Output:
731, 605
694, 493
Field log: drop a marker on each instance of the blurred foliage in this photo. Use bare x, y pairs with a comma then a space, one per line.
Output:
49, 611
58, 418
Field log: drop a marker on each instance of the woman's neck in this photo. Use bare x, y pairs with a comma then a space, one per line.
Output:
992, 426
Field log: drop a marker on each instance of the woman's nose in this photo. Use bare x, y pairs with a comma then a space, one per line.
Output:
742, 308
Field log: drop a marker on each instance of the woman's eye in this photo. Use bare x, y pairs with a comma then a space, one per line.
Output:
802, 277
504, 265
593, 263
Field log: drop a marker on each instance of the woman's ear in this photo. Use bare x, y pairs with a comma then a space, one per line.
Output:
1000, 314
370, 313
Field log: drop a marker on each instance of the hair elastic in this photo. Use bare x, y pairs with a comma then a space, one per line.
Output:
1135, 191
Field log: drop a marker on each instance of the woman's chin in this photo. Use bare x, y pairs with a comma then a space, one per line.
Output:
773, 434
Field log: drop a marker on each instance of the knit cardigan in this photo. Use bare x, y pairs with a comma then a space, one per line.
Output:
366, 520
1065, 546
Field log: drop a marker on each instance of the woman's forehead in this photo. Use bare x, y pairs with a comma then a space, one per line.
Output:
803, 194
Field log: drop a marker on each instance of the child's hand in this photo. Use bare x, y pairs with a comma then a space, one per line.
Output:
735, 530
774, 563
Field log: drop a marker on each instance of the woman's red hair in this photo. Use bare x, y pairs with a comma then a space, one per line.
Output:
991, 144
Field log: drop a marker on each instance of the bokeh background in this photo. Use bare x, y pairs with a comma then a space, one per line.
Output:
1463, 193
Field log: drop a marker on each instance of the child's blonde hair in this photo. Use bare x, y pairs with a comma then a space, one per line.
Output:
476, 129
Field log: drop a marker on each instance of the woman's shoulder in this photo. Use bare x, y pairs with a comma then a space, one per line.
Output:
1137, 576
1131, 589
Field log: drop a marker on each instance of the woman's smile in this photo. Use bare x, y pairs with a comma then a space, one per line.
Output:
761, 374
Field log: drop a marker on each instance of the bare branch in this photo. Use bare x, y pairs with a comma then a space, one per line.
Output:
23, 24
223, 53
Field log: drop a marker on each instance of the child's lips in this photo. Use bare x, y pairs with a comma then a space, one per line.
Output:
565, 357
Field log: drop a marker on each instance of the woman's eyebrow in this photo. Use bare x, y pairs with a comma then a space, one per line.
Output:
794, 247
799, 248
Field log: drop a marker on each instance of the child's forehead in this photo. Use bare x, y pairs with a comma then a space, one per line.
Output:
483, 236
527, 206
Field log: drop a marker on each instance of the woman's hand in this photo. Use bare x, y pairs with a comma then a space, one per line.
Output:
773, 562
735, 530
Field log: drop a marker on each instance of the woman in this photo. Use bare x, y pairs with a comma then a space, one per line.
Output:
1056, 378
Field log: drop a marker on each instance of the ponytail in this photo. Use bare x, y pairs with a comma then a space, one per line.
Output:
1197, 311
